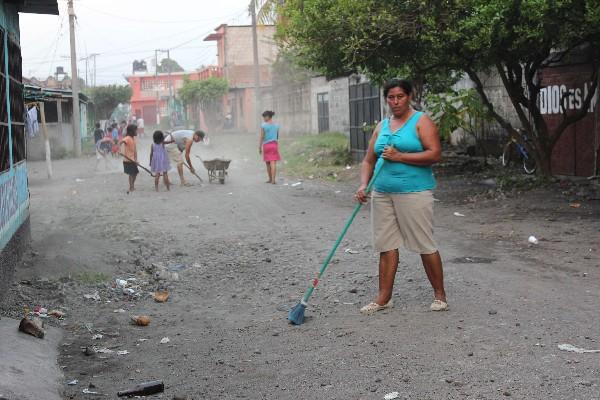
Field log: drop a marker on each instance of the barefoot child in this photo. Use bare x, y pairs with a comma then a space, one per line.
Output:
159, 160
130, 159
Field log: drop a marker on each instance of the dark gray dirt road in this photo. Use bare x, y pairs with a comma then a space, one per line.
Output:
234, 257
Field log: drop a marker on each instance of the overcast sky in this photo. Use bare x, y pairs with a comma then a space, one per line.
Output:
125, 30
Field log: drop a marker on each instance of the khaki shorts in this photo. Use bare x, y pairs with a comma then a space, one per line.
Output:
403, 220
175, 155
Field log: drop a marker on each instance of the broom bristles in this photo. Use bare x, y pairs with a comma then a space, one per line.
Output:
296, 314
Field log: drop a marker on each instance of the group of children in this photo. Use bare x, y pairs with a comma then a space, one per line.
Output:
159, 160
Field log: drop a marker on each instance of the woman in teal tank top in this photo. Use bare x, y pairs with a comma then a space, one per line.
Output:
406, 145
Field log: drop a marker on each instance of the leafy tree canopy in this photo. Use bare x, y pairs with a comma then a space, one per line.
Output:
431, 41
169, 65
204, 92
106, 98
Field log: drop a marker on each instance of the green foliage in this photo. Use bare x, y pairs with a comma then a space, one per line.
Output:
106, 98
434, 43
169, 65
319, 156
204, 92
457, 109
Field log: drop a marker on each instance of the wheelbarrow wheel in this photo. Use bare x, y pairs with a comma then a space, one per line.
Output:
222, 181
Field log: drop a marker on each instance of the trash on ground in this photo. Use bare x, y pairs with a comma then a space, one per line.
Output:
161, 296
165, 340
177, 267
141, 320
88, 391
338, 191
119, 310
103, 350
348, 167
392, 395
143, 389
79, 180
93, 296
33, 327
350, 251
122, 352
457, 214
575, 349
57, 314
575, 205
533, 240
97, 336
296, 184
73, 382
40, 311
122, 283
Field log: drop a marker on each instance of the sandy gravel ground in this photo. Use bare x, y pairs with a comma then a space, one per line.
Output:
235, 257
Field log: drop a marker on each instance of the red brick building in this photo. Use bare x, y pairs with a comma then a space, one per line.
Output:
151, 92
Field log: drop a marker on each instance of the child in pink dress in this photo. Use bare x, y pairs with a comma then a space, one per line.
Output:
159, 160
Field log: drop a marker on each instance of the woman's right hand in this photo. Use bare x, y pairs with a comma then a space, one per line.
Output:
361, 195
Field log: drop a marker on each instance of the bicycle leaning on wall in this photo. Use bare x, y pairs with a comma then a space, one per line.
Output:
518, 146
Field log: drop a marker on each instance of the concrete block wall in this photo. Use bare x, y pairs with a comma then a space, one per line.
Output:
339, 97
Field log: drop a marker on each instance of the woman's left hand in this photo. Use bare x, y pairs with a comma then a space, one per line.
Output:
391, 154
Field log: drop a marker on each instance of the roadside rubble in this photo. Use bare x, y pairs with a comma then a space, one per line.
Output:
33, 327
575, 349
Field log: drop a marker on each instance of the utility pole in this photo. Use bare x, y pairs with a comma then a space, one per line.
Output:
256, 65
74, 83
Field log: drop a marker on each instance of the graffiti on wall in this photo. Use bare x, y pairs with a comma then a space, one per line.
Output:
572, 98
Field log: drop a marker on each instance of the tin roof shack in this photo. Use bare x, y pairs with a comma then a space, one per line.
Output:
58, 105
14, 192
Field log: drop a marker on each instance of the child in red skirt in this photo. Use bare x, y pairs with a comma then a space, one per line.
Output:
268, 147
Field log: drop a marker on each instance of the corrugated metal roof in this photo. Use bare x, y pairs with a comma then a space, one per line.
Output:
32, 92
36, 6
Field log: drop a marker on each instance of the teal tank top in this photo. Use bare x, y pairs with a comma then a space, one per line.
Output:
397, 177
271, 132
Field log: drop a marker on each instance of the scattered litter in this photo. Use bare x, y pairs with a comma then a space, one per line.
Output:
103, 350
165, 340
38, 310
574, 349
94, 296
119, 311
391, 396
338, 191
311, 177
121, 283
97, 336
457, 214
348, 304
33, 327
350, 251
129, 291
286, 184
88, 391
230, 193
575, 205
141, 320
177, 267
57, 314
296, 184
144, 389
142, 340
348, 167
122, 352
161, 296
533, 240
79, 180
73, 382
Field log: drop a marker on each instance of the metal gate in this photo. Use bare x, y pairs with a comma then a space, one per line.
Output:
365, 111
323, 111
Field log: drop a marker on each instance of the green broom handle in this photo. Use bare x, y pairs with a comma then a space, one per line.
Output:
315, 282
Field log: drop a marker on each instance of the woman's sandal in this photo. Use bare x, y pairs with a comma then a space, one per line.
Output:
439, 305
372, 308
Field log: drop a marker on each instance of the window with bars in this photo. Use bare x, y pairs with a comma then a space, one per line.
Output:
11, 116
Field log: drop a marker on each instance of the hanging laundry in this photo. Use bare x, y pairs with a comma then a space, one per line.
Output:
31, 122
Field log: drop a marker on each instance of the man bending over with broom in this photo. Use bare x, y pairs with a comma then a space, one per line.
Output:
177, 143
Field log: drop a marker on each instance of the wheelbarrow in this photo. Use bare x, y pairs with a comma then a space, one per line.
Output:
217, 169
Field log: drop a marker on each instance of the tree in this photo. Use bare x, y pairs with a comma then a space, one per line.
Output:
106, 98
206, 95
168, 65
422, 39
